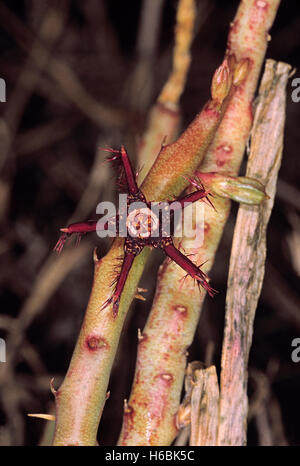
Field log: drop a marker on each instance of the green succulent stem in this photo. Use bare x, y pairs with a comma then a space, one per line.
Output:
81, 397
175, 312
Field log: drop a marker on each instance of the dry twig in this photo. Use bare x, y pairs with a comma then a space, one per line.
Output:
248, 254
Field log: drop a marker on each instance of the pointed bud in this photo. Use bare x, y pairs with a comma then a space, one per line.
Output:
231, 61
240, 189
221, 82
241, 71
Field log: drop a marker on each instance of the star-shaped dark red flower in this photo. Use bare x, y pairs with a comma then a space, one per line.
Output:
141, 223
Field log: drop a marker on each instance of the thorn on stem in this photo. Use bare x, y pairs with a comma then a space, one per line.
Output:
53, 390
47, 417
127, 409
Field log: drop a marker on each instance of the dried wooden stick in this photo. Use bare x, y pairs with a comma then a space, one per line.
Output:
204, 407
199, 409
248, 254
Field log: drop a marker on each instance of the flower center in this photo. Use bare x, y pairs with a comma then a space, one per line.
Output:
142, 222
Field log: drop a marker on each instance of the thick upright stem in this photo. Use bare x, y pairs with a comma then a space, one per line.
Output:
175, 312
80, 399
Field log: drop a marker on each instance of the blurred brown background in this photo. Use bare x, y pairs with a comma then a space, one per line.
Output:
83, 74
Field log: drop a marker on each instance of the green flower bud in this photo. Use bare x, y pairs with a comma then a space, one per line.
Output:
240, 189
221, 82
